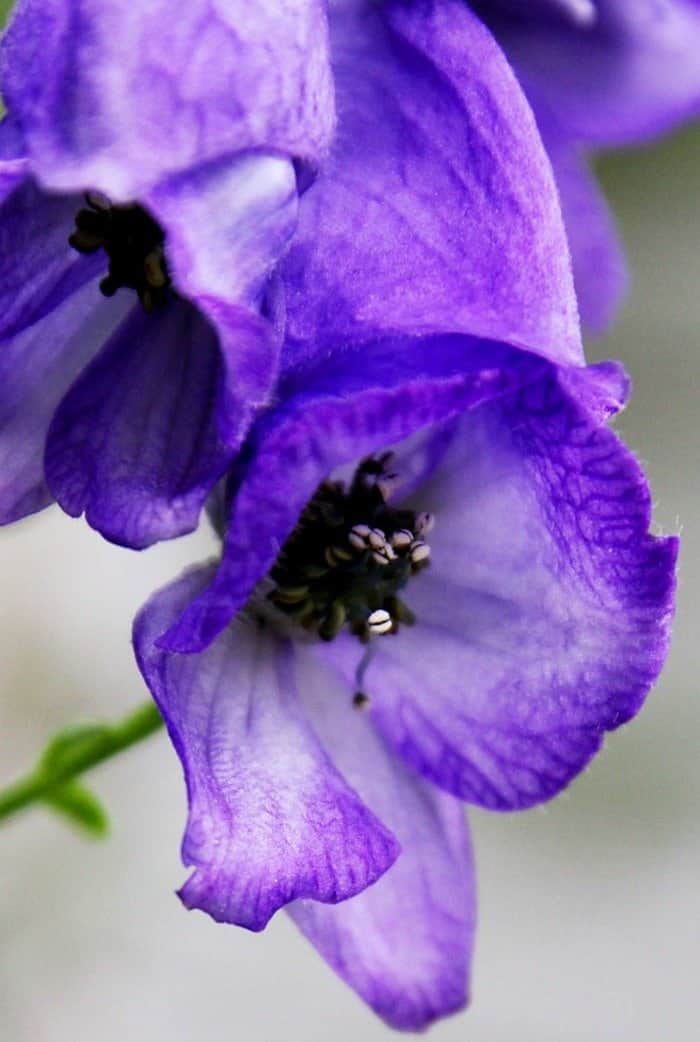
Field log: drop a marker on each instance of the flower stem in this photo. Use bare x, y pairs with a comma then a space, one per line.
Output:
74, 752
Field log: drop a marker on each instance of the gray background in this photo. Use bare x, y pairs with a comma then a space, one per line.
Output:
588, 907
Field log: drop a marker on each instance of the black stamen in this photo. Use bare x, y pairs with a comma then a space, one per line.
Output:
134, 244
349, 557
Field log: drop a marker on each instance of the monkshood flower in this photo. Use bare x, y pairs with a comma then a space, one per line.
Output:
436, 582
149, 164
599, 74
330, 732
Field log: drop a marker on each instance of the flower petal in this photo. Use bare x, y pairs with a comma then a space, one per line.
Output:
12, 154
37, 366
437, 211
270, 818
134, 444
226, 224
332, 415
38, 268
115, 96
405, 943
544, 619
580, 12
600, 270
629, 73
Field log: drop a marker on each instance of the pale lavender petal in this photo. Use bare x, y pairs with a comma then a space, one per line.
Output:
116, 96
405, 943
135, 445
37, 366
438, 210
270, 817
544, 619
332, 415
226, 223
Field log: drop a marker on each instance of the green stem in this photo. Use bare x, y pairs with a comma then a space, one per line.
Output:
86, 749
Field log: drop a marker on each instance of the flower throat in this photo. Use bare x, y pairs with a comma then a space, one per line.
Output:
134, 244
350, 556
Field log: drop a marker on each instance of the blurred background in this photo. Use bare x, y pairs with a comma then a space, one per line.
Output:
588, 908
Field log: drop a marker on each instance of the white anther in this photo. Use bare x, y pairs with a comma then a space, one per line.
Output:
425, 523
419, 552
402, 539
357, 536
379, 621
376, 539
385, 555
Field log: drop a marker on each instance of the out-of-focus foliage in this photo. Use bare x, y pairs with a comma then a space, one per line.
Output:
81, 807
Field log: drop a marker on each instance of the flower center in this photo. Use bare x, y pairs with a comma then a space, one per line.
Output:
349, 557
134, 244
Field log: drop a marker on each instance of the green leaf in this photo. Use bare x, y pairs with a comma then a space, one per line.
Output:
77, 803
70, 745
69, 754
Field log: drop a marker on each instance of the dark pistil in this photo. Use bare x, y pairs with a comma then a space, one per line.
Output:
350, 556
134, 244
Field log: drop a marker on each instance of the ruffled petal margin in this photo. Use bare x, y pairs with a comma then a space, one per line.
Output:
545, 617
270, 818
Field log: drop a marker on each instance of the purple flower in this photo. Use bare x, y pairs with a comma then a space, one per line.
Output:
385, 637
492, 675
599, 74
148, 181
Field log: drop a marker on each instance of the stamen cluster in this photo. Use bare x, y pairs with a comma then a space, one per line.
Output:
134, 244
350, 556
